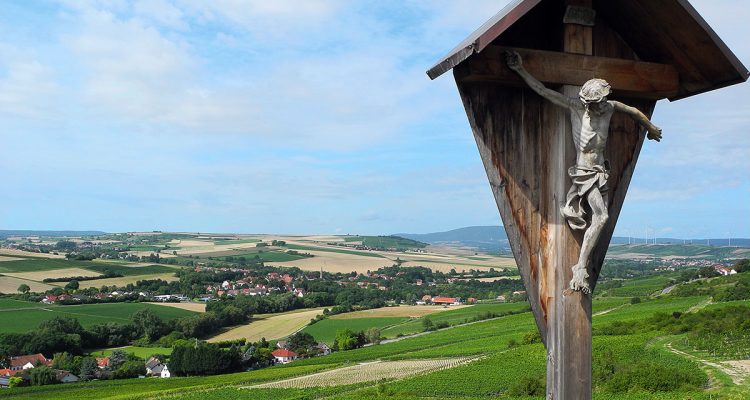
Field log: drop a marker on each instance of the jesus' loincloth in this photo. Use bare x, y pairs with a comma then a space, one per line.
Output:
584, 180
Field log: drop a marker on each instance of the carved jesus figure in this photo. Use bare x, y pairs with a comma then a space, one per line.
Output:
589, 116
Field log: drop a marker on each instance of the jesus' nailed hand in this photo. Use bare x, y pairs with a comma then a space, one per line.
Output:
589, 116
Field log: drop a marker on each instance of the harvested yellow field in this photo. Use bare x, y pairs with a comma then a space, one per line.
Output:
270, 326
197, 307
9, 284
400, 311
337, 262
8, 258
21, 253
55, 273
122, 281
369, 372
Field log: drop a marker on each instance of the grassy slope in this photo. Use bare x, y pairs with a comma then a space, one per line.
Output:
491, 376
87, 314
332, 250
452, 317
44, 264
325, 331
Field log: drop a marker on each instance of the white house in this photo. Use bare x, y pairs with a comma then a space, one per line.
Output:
284, 356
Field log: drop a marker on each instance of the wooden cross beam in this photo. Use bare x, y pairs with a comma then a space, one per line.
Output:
629, 78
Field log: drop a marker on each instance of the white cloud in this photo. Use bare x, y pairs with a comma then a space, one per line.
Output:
27, 86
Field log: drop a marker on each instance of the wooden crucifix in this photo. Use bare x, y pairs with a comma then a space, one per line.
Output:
520, 76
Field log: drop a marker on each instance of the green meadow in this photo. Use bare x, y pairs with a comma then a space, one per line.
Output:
17, 319
325, 330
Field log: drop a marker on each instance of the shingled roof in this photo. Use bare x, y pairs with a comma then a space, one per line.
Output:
666, 31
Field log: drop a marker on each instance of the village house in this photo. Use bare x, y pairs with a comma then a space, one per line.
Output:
28, 361
323, 348
49, 299
284, 356
154, 367
102, 362
63, 376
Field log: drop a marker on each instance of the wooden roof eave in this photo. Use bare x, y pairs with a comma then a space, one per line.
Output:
692, 82
483, 36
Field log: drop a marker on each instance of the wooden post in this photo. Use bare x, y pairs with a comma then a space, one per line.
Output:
569, 327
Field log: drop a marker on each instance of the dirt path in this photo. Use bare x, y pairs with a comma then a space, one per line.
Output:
700, 305
737, 370
609, 310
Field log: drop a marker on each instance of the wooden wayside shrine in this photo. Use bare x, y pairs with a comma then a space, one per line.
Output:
648, 50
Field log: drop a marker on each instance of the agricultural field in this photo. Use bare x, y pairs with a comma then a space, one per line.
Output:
399, 311
31, 271
142, 352
504, 365
702, 251
369, 372
453, 316
325, 330
132, 270
26, 317
194, 307
270, 326
645, 286
42, 264
9, 284
122, 281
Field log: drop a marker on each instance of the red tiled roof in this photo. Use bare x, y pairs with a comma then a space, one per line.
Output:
20, 361
284, 353
443, 299
7, 372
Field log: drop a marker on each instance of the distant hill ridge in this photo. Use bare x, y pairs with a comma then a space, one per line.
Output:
10, 233
494, 238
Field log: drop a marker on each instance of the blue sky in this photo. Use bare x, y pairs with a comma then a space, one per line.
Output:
301, 117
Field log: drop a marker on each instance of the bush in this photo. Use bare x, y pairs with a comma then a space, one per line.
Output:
529, 386
42, 375
635, 300
130, 369
652, 377
532, 337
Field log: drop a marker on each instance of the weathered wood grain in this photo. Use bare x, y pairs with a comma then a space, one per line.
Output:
627, 77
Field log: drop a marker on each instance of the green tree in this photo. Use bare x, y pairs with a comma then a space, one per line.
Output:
373, 335
42, 375
130, 369
347, 340
148, 324
62, 361
15, 381
117, 358
88, 368
24, 288
72, 285
300, 342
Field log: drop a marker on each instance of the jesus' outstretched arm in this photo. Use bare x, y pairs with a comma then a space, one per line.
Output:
654, 132
513, 59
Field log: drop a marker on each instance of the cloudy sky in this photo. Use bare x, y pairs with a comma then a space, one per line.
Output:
301, 117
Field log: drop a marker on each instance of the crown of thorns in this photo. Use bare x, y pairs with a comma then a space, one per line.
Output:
594, 91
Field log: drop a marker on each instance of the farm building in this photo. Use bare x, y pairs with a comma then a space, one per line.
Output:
447, 300
28, 361
284, 356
